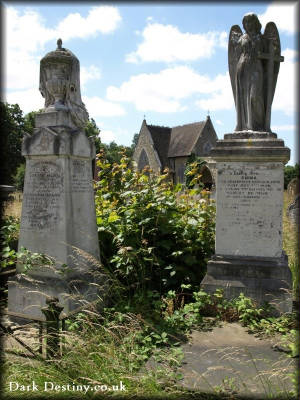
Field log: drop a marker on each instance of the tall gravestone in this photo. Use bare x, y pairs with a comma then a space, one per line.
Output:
250, 162
58, 211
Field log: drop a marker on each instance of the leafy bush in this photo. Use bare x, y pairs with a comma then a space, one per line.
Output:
9, 234
152, 235
193, 171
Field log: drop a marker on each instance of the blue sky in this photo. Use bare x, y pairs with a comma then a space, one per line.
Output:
167, 61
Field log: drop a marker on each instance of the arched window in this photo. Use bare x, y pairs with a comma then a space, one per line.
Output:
206, 178
207, 147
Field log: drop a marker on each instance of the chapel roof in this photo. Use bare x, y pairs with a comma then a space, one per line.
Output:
178, 141
184, 138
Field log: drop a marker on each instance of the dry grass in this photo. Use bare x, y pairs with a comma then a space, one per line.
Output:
290, 243
13, 207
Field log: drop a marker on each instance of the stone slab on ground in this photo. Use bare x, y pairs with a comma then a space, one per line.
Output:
229, 359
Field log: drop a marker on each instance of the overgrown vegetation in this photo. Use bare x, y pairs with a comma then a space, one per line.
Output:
112, 348
290, 237
153, 236
193, 171
155, 240
290, 172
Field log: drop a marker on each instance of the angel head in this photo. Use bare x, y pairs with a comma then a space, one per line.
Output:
251, 23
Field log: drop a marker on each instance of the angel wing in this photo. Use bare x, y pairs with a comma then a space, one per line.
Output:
271, 36
234, 52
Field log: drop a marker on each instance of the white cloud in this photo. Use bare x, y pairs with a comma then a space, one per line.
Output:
285, 93
280, 128
101, 108
162, 92
28, 100
283, 14
22, 70
219, 122
166, 43
221, 96
26, 34
89, 73
103, 19
107, 136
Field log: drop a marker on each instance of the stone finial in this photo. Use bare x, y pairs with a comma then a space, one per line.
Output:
59, 44
60, 84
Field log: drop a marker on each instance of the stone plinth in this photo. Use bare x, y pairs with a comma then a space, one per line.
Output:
58, 218
249, 201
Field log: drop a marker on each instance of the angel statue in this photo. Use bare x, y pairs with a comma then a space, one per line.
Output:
254, 61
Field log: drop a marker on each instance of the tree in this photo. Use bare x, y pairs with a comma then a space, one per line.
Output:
91, 129
29, 121
12, 128
134, 141
290, 172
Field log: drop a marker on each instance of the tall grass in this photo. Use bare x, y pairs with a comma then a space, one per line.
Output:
291, 243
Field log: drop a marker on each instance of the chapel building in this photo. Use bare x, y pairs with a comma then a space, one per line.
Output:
162, 147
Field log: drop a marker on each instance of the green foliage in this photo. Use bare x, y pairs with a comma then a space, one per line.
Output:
115, 345
134, 141
91, 129
29, 121
193, 171
113, 152
11, 127
9, 234
18, 178
290, 172
151, 235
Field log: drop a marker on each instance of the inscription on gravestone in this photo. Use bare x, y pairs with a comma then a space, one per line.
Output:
249, 209
81, 180
43, 197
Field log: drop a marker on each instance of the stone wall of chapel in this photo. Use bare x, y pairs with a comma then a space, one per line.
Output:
145, 143
206, 140
180, 165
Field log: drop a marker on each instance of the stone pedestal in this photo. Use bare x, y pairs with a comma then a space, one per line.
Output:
249, 201
58, 218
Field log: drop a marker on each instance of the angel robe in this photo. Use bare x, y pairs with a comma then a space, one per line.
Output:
250, 85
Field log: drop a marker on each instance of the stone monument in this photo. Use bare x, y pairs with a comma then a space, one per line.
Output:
249, 199
58, 211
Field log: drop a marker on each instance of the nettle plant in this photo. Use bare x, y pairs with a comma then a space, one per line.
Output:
153, 235
9, 234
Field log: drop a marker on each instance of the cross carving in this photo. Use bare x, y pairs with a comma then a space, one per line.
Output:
271, 58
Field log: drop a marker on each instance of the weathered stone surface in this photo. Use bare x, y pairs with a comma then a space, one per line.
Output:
249, 201
261, 278
293, 211
60, 86
58, 210
249, 209
230, 360
250, 55
293, 187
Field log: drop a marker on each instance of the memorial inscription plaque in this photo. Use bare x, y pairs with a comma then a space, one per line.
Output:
249, 198
43, 195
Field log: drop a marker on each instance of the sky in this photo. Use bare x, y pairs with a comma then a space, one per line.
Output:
165, 62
